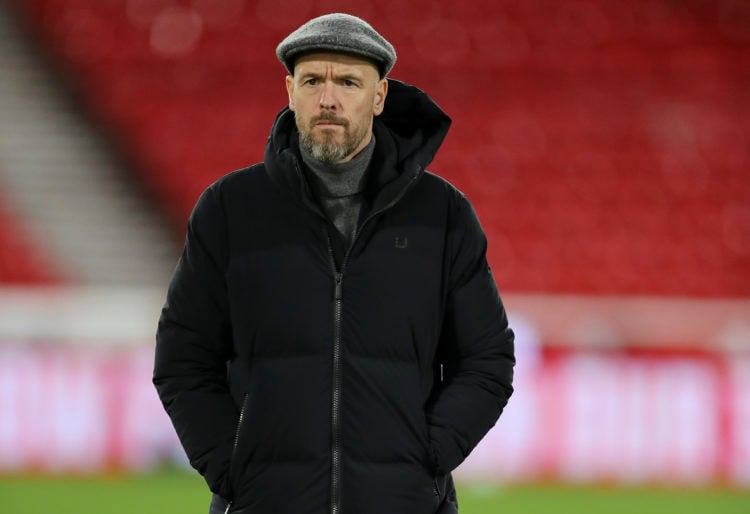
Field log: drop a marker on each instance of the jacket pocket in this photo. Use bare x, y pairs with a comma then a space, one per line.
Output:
446, 497
429, 458
436, 491
235, 445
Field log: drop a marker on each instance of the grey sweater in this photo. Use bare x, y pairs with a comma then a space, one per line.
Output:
338, 188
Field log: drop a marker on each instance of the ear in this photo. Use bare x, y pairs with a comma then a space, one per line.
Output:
290, 91
381, 91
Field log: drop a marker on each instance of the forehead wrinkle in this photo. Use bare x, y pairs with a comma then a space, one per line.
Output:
337, 61
333, 70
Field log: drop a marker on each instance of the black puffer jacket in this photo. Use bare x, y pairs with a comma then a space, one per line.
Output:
305, 379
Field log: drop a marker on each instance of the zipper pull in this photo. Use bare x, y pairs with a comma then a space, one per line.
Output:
229, 506
338, 292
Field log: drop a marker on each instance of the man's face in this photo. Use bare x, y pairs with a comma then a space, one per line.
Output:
334, 98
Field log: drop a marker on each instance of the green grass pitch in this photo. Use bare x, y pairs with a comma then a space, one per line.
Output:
175, 492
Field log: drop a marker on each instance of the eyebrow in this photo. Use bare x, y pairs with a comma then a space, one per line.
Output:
309, 74
344, 76
351, 76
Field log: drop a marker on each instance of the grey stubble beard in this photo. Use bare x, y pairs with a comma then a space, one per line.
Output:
329, 151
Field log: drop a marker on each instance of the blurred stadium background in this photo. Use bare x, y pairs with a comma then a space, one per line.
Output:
605, 145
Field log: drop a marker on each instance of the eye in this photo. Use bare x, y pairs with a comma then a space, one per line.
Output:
312, 81
349, 83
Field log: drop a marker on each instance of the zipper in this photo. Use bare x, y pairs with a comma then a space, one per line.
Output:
336, 396
234, 446
336, 393
436, 490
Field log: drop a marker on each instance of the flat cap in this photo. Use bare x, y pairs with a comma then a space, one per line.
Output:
338, 32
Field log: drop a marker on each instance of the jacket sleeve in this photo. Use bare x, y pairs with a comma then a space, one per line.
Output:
476, 349
193, 344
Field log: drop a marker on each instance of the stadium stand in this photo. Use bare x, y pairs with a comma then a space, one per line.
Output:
604, 144
20, 260
65, 181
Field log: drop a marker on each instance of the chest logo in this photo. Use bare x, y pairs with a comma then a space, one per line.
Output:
401, 242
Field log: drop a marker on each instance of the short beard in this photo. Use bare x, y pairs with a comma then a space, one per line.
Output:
329, 151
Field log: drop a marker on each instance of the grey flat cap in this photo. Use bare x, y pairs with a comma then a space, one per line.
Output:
338, 32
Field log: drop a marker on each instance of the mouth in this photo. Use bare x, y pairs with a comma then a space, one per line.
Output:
326, 123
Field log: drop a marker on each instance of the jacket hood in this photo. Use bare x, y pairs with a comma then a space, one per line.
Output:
411, 122
416, 123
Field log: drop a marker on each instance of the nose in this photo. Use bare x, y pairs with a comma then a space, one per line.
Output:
328, 96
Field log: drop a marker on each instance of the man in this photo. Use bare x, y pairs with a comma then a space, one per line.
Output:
333, 340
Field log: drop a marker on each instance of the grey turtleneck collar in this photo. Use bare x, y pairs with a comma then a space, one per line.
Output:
339, 179
338, 187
